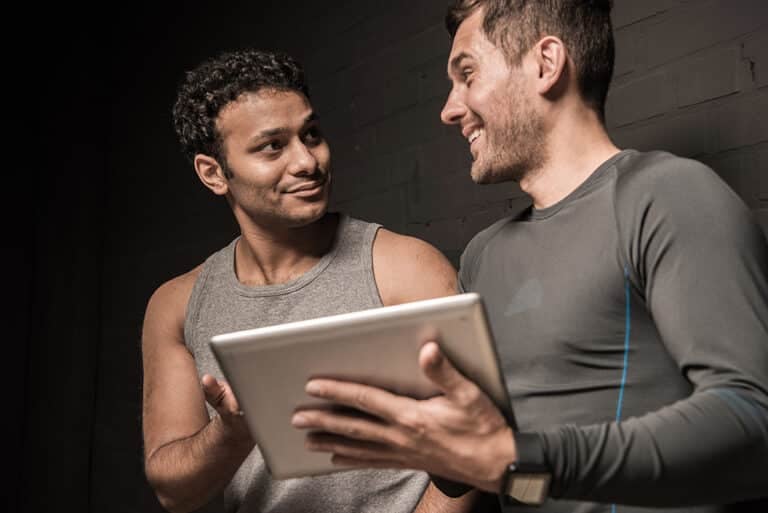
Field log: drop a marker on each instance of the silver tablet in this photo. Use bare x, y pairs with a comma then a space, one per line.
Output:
268, 367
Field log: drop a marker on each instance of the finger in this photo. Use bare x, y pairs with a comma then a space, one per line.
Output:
343, 461
352, 449
442, 373
350, 427
375, 401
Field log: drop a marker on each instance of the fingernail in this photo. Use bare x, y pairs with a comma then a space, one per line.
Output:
436, 355
299, 420
312, 387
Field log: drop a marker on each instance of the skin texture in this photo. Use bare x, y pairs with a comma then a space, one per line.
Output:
277, 185
483, 80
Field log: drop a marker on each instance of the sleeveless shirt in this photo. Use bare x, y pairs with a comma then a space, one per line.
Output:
342, 281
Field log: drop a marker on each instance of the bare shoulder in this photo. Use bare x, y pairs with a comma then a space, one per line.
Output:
410, 269
167, 306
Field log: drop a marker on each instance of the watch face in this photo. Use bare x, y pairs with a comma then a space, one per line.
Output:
528, 488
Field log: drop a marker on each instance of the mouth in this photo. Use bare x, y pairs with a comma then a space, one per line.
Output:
473, 136
308, 189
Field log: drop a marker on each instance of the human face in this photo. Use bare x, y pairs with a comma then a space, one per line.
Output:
278, 159
492, 103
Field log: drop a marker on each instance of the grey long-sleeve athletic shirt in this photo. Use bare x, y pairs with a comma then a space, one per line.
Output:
631, 320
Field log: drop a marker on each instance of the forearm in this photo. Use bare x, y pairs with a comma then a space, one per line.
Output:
188, 473
710, 448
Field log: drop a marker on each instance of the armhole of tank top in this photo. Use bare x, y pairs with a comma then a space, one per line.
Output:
366, 257
192, 312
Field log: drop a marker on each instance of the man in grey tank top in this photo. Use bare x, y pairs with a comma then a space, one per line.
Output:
245, 121
629, 302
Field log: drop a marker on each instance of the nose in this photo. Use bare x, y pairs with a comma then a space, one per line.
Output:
303, 161
453, 110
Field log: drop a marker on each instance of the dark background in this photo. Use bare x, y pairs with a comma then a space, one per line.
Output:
102, 208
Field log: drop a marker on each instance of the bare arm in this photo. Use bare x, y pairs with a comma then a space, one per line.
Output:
408, 269
188, 457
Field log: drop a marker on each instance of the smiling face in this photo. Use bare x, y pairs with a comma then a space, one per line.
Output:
493, 105
278, 161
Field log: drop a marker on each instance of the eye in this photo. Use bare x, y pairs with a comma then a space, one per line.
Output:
466, 74
269, 147
313, 136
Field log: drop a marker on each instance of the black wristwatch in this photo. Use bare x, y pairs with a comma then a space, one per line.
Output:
527, 480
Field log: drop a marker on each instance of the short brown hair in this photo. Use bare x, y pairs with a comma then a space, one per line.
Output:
584, 26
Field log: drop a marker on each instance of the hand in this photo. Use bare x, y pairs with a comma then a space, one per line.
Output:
459, 435
220, 396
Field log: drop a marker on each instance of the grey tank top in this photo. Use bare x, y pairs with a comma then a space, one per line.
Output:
342, 281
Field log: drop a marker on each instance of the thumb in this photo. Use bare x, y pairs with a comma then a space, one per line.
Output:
215, 391
441, 372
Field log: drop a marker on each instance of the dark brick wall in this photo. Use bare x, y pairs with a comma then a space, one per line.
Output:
691, 78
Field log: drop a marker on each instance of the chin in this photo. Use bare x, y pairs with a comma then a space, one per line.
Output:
309, 215
484, 173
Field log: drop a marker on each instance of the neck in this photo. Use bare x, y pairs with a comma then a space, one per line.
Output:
267, 255
577, 144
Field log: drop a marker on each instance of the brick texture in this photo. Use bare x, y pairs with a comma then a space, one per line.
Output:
690, 78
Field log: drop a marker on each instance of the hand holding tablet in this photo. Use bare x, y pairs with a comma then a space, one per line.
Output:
268, 368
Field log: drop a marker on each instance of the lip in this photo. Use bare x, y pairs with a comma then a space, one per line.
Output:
473, 145
467, 130
307, 189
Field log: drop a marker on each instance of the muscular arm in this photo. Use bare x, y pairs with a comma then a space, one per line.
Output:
188, 458
701, 264
408, 269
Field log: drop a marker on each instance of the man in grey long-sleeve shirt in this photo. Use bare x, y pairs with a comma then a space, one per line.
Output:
629, 302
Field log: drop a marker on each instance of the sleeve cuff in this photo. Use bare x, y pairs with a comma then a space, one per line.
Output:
450, 488
530, 450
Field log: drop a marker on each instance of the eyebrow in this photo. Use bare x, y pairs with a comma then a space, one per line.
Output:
271, 132
454, 64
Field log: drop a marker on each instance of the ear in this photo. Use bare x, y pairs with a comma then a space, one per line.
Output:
551, 59
211, 174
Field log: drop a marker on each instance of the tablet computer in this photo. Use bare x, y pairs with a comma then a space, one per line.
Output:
268, 367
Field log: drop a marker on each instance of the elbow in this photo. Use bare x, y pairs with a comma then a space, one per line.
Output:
169, 503
173, 502
172, 506
168, 493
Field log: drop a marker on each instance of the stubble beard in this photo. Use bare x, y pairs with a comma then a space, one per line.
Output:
516, 149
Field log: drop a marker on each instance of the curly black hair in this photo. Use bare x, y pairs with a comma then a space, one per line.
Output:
221, 80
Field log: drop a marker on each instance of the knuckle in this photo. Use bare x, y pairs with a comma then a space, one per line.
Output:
468, 395
404, 442
412, 420
360, 397
351, 431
